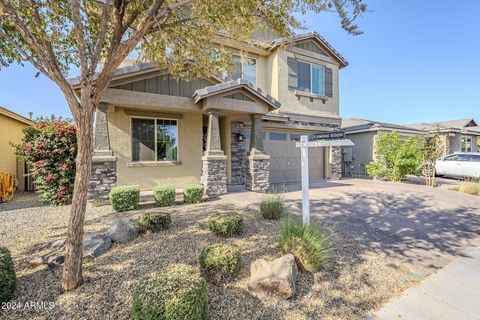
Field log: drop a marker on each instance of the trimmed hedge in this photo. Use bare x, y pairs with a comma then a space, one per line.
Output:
193, 193
226, 224
271, 207
7, 275
308, 244
220, 258
177, 291
124, 198
164, 195
154, 221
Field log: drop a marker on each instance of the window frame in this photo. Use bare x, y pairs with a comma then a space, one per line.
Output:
319, 66
155, 140
242, 61
463, 140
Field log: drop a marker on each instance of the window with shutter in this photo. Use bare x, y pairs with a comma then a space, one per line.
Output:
292, 73
304, 76
328, 82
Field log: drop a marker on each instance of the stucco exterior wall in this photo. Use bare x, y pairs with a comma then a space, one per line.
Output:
186, 171
362, 152
302, 105
11, 131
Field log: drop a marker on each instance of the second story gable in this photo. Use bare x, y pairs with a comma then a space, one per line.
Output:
300, 71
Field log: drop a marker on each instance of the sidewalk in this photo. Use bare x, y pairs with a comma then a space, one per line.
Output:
452, 293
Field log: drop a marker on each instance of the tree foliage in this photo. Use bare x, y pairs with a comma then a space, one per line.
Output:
50, 148
186, 38
395, 157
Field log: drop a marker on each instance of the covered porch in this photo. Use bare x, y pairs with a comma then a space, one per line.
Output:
210, 137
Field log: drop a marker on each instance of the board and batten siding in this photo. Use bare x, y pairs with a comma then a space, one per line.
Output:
310, 46
167, 85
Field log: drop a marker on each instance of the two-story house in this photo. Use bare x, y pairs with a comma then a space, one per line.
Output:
152, 129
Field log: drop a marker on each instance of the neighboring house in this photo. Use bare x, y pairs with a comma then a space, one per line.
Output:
363, 134
152, 129
11, 131
456, 135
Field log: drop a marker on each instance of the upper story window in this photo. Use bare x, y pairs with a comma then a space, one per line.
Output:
154, 139
245, 68
466, 144
309, 77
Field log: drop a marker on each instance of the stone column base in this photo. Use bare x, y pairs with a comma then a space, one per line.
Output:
336, 163
214, 175
257, 177
103, 178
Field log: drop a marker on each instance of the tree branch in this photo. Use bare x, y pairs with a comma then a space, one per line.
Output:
102, 33
80, 37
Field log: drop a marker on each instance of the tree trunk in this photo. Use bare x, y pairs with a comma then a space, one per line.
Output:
72, 270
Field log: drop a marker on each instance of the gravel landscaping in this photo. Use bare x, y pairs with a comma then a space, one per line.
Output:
358, 281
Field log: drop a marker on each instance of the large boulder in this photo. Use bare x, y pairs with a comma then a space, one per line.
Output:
273, 280
122, 231
95, 245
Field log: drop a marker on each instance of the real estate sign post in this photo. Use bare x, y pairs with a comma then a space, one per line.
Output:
304, 144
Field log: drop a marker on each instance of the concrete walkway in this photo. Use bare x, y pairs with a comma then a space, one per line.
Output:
451, 293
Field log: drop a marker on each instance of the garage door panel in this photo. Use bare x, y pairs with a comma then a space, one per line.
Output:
285, 162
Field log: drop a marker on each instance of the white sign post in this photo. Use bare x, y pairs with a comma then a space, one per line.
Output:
304, 144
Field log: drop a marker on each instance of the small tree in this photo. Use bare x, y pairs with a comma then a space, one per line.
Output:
50, 147
395, 157
176, 35
431, 151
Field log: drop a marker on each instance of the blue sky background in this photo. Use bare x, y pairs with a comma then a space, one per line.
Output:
416, 61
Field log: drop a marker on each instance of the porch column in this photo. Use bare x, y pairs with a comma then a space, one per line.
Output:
214, 169
257, 177
336, 161
104, 163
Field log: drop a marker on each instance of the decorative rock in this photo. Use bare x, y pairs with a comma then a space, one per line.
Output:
273, 280
55, 260
95, 245
59, 244
36, 261
122, 231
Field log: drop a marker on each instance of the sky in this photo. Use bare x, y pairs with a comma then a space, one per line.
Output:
417, 61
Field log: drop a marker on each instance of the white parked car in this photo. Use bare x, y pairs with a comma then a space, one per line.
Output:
464, 164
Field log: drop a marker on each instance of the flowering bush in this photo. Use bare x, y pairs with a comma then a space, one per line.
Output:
50, 148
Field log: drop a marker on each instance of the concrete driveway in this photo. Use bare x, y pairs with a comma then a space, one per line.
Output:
424, 227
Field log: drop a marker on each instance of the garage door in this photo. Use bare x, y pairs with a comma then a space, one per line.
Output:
285, 165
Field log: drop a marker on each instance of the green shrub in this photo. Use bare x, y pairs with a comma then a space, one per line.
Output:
177, 291
309, 244
164, 195
470, 188
124, 198
225, 224
193, 193
220, 258
271, 206
154, 221
7, 275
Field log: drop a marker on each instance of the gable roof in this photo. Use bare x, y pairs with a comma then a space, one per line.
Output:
444, 125
15, 116
362, 125
310, 36
230, 85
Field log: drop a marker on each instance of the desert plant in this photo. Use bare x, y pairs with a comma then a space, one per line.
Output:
124, 198
7, 275
176, 291
395, 157
271, 206
154, 221
164, 195
50, 148
193, 193
309, 244
226, 224
470, 188
222, 259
